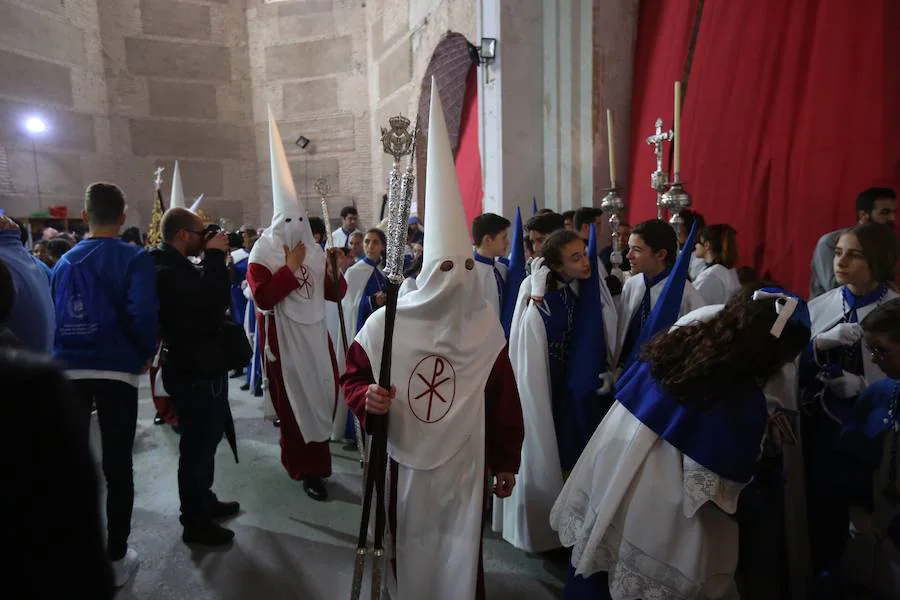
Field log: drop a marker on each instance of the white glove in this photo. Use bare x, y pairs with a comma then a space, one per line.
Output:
847, 385
845, 334
606, 384
618, 274
539, 275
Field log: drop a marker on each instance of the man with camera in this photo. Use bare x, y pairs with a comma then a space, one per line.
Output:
196, 356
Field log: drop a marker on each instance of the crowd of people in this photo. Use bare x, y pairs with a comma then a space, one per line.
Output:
641, 403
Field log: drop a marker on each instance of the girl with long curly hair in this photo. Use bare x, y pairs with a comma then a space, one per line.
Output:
833, 372
648, 508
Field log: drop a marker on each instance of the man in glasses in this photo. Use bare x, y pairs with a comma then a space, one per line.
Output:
871, 449
192, 304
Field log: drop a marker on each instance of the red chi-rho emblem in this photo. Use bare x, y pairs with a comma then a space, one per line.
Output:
432, 388
306, 284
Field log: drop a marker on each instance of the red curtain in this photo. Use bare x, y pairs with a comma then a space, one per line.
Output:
468, 155
787, 116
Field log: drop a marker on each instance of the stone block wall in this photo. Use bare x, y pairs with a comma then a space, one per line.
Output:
52, 66
179, 87
127, 85
402, 37
308, 63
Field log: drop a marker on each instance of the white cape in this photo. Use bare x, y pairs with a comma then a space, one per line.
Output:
717, 283
522, 518
656, 521
488, 283
333, 323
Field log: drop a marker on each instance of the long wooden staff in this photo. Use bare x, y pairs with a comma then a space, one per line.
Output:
336, 281
400, 199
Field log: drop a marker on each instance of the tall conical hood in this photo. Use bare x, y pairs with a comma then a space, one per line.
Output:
177, 198
196, 205
290, 225
446, 234
289, 218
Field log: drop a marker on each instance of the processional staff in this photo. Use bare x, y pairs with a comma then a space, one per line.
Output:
154, 236
612, 204
322, 187
669, 195
398, 142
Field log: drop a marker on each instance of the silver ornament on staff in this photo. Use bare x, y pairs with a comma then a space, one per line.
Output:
612, 204
676, 199
659, 179
321, 186
398, 142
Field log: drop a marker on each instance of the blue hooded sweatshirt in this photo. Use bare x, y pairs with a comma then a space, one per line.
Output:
119, 275
32, 318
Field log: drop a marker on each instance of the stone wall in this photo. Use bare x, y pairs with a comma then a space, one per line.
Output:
52, 66
127, 85
402, 37
178, 79
308, 63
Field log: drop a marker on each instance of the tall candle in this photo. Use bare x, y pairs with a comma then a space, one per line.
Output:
610, 139
677, 140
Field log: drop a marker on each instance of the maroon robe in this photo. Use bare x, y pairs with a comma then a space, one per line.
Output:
504, 428
300, 459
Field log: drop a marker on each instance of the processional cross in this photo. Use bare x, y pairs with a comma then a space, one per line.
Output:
659, 179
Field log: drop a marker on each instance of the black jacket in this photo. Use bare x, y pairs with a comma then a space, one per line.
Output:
192, 305
50, 486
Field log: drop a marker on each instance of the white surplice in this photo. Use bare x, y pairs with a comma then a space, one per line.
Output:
488, 282
717, 283
655, 520
630, 303
522, 518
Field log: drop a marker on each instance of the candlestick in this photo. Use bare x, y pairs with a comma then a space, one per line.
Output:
611, 145
677, 140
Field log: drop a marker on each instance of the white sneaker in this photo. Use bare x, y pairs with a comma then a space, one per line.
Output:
124, 568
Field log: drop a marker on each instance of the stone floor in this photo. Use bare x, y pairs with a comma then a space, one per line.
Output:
286, 546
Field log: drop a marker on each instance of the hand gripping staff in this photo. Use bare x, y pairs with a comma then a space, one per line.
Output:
397, 142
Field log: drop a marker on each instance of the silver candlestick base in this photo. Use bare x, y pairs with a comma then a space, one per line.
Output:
675, 200
612, 204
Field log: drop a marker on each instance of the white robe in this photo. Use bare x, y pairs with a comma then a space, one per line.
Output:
717, 283
630, 303
332, 319
655, 520
522, 518
488, 283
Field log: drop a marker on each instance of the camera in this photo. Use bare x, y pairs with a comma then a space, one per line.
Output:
235, 239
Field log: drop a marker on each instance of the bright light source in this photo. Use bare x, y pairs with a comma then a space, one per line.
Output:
35, 125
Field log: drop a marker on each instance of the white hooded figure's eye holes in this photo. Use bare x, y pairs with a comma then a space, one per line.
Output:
470, 264
446, 265
288, 220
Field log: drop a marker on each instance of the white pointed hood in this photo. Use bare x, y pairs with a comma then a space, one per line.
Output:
196, 205
446, 335
290, 226
176, 200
